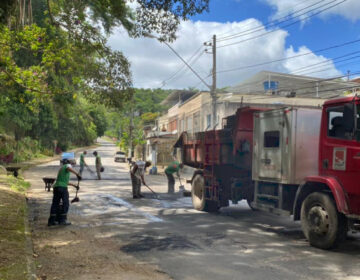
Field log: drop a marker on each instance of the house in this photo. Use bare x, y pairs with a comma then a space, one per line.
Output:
287, 85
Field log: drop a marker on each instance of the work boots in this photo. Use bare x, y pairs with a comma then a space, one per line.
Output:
52, 221
63, 220
64, 223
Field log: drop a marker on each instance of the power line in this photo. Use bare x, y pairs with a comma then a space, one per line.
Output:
290, 57
186, 69
286, 13
310, 84
330, 68
182, 67
271, 31
333, 60
314, 80
275, 22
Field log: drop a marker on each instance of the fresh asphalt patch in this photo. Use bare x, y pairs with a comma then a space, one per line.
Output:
152, 241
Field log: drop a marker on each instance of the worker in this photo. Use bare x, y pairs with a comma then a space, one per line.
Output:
61, 194
82, 162
137, 177
98, 165
173, 167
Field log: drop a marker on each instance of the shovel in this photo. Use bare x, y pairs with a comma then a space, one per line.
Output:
156, 195
182, 189
76, 198
91, 172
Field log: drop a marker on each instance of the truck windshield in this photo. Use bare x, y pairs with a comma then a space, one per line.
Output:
357, 123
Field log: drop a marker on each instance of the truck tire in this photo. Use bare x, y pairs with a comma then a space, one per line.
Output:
321, 223
198, 195
249, 203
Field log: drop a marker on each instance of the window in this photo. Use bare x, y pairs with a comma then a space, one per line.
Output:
340, 122
181, 125
272, 139
208, 121
196, 122
189, 124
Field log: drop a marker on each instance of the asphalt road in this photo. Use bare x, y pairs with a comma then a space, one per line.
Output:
236, 243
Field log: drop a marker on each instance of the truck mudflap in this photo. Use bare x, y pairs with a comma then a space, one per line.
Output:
321, 183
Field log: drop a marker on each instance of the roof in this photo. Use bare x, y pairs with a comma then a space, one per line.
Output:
160, 134
283, 84
341, 100
271, 100
178, 96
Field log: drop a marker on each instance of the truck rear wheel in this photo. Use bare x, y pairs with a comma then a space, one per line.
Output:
321, 223
198, 195
249, 201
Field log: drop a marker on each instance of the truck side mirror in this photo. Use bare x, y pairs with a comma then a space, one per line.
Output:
349, 117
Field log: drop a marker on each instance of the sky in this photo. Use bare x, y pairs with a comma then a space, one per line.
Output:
252, 36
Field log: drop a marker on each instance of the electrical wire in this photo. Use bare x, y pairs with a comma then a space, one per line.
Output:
305, 83
275, 22
290, 57
285, 13
331, 68
287, 25
163, 83
186, 69
332, 60
310, 84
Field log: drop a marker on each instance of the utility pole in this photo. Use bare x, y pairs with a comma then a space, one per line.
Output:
131, 128
213, 87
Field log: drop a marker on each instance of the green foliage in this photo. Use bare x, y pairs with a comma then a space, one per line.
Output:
146, 108
57, 72
17, 184
149, 118
148, 100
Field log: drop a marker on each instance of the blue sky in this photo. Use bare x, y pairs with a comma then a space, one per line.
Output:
317, 33
154, 64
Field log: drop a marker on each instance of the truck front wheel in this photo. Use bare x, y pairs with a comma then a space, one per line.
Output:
321, 223
198, 195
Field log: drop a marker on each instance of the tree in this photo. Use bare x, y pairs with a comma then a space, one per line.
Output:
57, 71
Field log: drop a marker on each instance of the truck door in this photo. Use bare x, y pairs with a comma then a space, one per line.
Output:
270, 142
340, 150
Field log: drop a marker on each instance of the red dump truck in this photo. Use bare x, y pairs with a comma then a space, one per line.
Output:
289, 161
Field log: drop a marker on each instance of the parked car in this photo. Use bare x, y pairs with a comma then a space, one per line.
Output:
70, 156
120, 156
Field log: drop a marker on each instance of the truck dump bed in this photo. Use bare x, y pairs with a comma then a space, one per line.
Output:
231, 145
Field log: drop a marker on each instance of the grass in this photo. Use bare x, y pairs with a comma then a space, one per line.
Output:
16, 184
13, 212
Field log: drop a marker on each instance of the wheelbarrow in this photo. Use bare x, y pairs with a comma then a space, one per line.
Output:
48, 183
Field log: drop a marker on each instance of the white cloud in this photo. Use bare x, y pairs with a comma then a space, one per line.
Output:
310, 64
153, 62
348, 9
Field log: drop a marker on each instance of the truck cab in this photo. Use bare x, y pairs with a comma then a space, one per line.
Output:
339, 154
